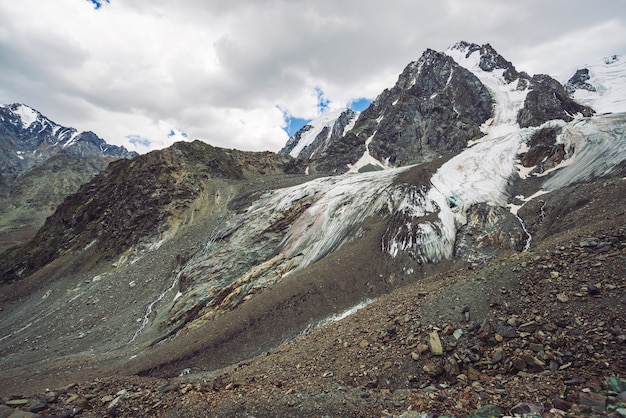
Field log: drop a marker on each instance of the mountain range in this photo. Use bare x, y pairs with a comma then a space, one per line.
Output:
469, 185
42, 162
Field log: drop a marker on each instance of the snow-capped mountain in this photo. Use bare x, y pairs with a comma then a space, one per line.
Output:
27, 139
226, 254
599, 85
440, 104
317, 135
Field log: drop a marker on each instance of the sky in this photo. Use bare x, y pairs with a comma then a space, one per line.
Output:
243, 73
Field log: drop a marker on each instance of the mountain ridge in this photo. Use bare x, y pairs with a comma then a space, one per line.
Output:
241, 252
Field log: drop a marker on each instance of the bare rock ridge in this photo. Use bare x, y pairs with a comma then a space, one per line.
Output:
461, 238
133, 201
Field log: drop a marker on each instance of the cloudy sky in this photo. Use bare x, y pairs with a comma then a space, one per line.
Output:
239, 73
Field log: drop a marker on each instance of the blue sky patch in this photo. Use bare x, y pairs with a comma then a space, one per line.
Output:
98, 3
138, 140
294, 124
176, 132
360, 104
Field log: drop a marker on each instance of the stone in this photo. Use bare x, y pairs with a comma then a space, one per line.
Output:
561, 404
451, 367
114, 403
23, 414
506, 331
17, 402
593, 290
533, 362
415, 356
616, 384
562, 297
472, 373
5, 411
526, 409
487, 411
432, 369
594, 400
435, 343
363, 344
37, 407
422, 348
498, 356
519, 364
167, 387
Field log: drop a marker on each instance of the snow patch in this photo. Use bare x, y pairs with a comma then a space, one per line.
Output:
73, 138
27, 115
366, 159
608, 76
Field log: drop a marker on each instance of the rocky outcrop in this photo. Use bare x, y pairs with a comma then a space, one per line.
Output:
548, 100
489, 59
579, 81
489, 231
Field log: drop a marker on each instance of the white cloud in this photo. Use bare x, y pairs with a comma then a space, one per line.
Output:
223, 71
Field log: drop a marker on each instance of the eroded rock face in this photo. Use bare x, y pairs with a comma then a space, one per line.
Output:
544, 153
436, 107
490, 60
489, 231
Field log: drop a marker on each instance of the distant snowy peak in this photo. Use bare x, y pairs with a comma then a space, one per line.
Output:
32, 127
601, 85
28, 129
318, 134
27, 139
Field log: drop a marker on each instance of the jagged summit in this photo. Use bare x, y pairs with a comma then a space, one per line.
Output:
488, 58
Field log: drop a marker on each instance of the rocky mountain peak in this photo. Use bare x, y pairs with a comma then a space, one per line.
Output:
435, 107
548, 100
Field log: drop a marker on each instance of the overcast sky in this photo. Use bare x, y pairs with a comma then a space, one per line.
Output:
145, 73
